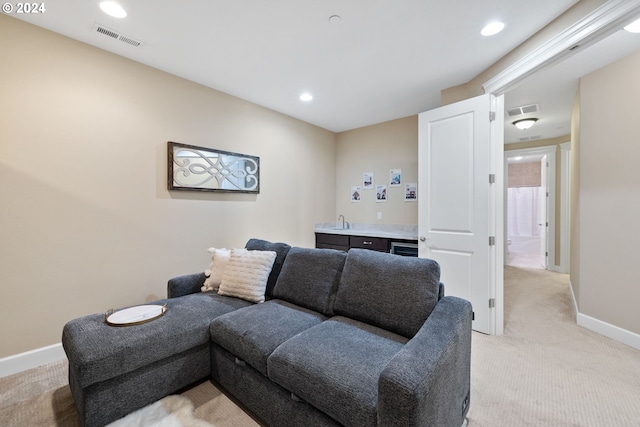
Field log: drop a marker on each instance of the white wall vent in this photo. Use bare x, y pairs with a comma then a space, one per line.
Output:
524, 109
530, 138
116, 35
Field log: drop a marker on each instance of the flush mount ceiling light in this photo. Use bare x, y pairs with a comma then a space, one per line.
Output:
113, 9
634, 27
492, 28
306, 97
525, 124
335, 19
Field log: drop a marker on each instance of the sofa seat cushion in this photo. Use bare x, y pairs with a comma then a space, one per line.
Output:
393, 292
335, 366
310, 277
253, 333
97, 351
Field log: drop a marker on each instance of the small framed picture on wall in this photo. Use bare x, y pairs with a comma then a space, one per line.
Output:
411, 192
355, 193
367, 180
381, 193
395, 177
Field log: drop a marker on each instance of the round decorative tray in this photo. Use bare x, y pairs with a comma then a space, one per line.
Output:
134, 315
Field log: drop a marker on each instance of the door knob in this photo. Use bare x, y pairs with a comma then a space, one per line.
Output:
423, 239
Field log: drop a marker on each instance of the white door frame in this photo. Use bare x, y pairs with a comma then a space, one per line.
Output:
550, 152
548, 212
497, 228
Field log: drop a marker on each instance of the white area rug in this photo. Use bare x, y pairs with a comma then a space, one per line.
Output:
171, 411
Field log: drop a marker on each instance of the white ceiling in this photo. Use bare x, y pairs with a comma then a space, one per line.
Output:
385, 59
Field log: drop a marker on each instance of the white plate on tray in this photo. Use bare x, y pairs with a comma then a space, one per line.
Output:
134, 315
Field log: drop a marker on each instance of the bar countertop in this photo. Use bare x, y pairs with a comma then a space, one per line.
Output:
391, 231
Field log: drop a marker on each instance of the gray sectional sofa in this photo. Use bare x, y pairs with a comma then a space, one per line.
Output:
344, 339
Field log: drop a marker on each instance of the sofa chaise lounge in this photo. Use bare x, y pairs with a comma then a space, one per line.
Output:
344, 339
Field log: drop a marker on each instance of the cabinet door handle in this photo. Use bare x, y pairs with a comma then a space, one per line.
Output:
367, 243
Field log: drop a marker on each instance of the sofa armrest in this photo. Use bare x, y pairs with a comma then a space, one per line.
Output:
428, 382
185, 285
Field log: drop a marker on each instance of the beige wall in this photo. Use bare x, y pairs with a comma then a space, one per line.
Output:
609, 202
378, 149
87, 223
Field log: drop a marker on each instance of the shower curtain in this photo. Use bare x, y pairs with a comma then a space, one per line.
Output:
524, 211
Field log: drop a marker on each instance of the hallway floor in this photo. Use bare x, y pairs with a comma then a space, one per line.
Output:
525, 252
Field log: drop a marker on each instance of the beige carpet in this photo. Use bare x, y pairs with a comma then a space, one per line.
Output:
544, 371
41, 398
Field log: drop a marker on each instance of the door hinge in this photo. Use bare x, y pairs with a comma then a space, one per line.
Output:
492, 240
546, 254
473, 315
492, 178
492, 116
492, 302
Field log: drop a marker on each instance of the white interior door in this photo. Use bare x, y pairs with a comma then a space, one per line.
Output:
457, 206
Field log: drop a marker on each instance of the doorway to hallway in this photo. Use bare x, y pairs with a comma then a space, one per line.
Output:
525, 246
527, 212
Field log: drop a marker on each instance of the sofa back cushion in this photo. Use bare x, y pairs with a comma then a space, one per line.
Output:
389, 291
310, 277
281, 250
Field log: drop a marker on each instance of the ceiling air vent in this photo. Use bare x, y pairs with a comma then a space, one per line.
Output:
116, 35
525, 109
530, 138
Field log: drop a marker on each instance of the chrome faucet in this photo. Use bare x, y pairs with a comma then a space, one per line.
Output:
341, 216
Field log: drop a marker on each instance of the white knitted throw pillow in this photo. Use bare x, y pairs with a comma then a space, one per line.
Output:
246, 274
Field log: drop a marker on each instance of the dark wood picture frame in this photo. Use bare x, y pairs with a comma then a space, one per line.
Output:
193, 168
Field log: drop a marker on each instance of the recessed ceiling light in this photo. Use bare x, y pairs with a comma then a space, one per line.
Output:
306, 97
113, 9
634, 27
492, 28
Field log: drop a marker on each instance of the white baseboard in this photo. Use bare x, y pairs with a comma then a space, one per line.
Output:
31, 359
603, 328
608, 330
